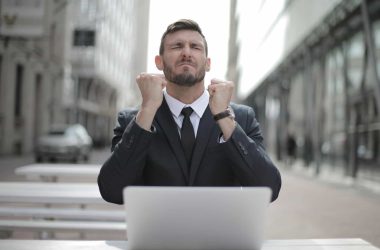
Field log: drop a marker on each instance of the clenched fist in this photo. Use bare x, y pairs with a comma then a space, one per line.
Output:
220, 95
151, 86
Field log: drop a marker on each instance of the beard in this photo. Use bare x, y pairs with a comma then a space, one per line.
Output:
186, 78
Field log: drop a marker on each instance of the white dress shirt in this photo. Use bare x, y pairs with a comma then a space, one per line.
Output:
199, 106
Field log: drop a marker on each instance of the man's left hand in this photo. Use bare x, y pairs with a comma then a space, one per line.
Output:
220, 95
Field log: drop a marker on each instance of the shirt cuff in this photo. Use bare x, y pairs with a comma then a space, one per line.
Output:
221, 139
152, 128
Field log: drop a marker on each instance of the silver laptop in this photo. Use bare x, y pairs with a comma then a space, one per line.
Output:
196, 218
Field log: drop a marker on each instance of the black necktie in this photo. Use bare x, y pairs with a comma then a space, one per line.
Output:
187, 134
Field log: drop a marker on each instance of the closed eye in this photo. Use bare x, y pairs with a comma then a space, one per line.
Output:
176, 46
196, 46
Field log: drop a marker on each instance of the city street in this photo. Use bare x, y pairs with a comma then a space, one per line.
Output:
306, 208
307, 72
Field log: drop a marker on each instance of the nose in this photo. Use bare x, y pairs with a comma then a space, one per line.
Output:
186, 52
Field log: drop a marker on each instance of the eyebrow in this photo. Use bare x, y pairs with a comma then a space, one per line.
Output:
192, 43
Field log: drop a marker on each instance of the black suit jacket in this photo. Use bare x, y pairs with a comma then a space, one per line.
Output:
156, 158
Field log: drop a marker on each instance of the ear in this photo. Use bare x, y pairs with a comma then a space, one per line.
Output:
208, 64
159, 64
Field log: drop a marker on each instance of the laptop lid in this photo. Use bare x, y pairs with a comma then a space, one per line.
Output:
197, 218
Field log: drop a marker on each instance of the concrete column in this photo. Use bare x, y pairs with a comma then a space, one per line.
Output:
7, 103
46, 101
28, 107
59, 109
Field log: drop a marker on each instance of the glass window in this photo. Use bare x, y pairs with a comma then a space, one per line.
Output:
376, 32
318, 88
296, 97
1, 82
296, 107
84, 38
335, 98
334, 109
368, 137
355, 61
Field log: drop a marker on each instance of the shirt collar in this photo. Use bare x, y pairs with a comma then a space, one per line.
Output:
199, 105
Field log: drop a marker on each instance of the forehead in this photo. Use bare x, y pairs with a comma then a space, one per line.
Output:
184, 36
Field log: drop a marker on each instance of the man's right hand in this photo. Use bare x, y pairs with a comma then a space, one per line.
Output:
151, 86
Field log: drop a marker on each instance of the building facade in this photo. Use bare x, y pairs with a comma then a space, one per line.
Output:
68, 61
311, 70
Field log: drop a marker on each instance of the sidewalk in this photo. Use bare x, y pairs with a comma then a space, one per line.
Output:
9, 163
310, 207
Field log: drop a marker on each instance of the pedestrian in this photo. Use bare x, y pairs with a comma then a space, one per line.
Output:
184, 134
291, 147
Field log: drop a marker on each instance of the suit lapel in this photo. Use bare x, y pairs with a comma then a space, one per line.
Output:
167, 124
207, 129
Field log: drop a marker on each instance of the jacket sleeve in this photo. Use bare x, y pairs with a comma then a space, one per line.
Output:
129, 145
251, 163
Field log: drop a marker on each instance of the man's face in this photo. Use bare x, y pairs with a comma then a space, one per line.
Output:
184, 60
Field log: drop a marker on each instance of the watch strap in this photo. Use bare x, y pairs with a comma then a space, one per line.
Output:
221, 115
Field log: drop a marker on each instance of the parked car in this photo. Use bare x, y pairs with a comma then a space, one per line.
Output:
69, 142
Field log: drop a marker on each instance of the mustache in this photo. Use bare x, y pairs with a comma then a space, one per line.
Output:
186, 62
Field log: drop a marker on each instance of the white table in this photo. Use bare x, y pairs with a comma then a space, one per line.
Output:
48, 192
55, 171
307, 244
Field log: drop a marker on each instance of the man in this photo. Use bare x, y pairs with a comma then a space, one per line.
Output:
155, 145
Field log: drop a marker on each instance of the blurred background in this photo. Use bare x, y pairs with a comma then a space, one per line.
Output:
310, 69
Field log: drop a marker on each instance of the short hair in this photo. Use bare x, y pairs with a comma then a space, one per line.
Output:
182, 24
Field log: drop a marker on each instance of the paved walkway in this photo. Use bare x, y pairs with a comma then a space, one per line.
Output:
313, 208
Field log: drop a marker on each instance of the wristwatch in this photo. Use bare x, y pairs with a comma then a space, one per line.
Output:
226, 113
